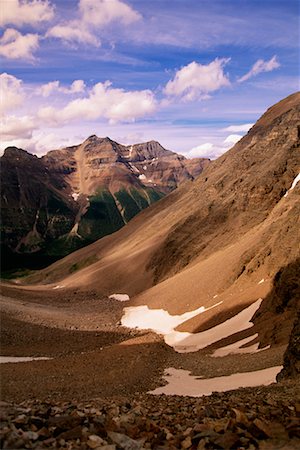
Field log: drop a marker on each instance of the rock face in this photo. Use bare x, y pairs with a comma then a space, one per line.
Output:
71, 197
291, 363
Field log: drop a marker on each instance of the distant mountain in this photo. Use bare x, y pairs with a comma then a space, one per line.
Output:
53, 205
230, 238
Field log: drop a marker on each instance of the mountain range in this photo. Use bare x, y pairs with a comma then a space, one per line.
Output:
71, 197
229, 238
198, 294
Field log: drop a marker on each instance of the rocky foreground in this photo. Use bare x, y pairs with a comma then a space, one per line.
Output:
263, 418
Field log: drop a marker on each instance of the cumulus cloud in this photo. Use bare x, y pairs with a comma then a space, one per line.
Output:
232, 139
201, 151
40, 142
197, 81
103, 101
239, 128
46, 90
25, 12
13, 127
213, 151
93, 14
11, 92
14, 45
102, 12
73, 32
260, 66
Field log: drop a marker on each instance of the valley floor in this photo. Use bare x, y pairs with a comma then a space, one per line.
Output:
97, 362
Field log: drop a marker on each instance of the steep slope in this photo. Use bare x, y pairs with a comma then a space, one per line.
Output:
71, 197
220, 239
34, 208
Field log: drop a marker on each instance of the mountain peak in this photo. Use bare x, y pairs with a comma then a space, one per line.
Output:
278, 110
15, 152
92, 137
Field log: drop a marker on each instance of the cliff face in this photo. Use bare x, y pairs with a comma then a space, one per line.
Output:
74, 196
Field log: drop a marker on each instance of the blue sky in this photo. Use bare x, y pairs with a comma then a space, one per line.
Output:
193, 74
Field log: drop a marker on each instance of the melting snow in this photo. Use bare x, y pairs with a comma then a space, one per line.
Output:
235, 348
75, 196
162, 322
142, 177
296, 180
180, 382
120, 297
16, 359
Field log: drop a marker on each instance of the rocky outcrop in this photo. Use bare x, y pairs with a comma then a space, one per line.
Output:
74, 196
291, 362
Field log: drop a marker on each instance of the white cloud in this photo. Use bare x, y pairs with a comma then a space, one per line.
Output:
102, 12
14, 45
213, 150
197, 81
239, 128
260, 66
40, 142
46, 90
73, 32
201, 151
93, 15
17, 12
103, 101
14, 127
232, 139
11, 92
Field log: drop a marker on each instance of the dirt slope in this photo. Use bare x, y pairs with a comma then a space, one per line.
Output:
227, 234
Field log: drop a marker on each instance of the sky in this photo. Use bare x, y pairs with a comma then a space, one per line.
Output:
194, 75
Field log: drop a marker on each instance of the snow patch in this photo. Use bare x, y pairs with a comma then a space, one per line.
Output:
261, 281
161, 322
237, 347
120, 297
142, 177
75, 196
16, 359
59, 286
180, 382
296, 180
145, 167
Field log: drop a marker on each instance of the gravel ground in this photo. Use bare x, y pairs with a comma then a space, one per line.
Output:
93, 393
258, 418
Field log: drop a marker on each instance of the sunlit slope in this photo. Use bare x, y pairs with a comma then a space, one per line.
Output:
219, 235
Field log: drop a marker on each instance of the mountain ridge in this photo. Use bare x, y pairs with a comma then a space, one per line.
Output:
221, 239
77, 194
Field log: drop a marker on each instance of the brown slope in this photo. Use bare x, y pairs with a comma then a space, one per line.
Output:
234, 194
232, 228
